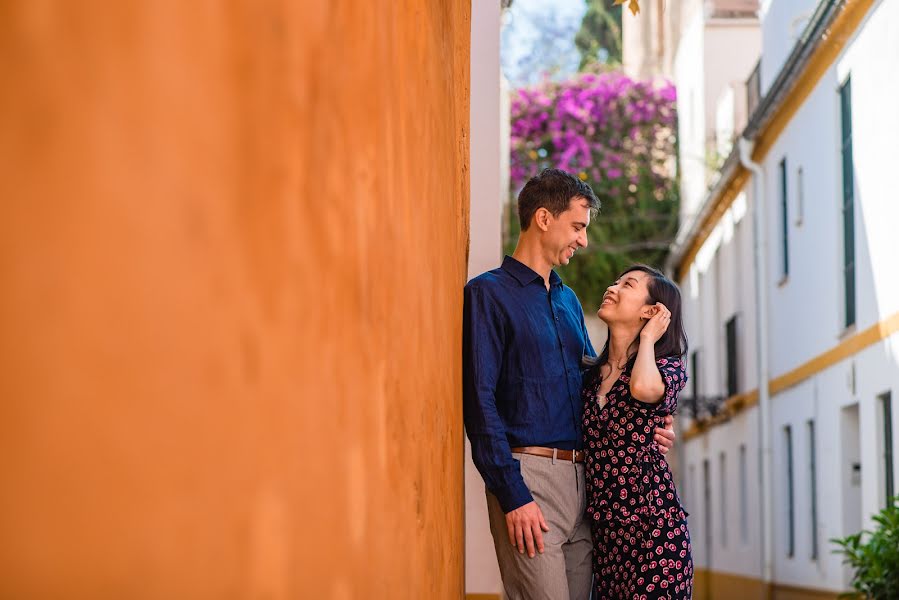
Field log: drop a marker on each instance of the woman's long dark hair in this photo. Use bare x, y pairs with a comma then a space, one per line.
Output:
661, 289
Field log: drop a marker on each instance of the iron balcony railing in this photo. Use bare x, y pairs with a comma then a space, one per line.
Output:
702, 407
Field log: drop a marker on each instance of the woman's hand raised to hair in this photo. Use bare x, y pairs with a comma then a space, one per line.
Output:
657, 325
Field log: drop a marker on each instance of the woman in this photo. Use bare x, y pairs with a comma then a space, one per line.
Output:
640, 538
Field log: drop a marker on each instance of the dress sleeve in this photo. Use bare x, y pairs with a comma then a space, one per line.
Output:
674, 376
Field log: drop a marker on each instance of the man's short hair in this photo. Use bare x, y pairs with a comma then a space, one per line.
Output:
552, 189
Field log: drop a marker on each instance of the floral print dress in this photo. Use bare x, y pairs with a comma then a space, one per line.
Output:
641, 545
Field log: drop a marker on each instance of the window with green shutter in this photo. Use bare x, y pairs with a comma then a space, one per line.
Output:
730, 339
848, 203
784, 222
886, 415
791, 515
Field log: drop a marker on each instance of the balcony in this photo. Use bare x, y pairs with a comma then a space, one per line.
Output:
703, 408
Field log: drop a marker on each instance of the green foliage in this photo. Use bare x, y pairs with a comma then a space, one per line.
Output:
874, 556
599, 38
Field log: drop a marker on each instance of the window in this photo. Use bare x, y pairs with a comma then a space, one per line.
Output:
707, 511
694, 382
886, 415
791, 529
813, 496
848, 204
730, 336
784, 222
691, 487
744, 500
722, 460
800, 196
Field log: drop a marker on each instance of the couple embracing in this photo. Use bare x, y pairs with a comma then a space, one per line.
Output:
571, 445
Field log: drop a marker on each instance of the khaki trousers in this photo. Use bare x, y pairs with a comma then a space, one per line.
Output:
565, 569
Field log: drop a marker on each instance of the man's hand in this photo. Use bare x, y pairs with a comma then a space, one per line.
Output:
526, 527
664, 436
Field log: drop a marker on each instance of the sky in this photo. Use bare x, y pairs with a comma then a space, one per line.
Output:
538, 35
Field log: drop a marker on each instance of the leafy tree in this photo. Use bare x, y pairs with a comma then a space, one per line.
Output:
599, 38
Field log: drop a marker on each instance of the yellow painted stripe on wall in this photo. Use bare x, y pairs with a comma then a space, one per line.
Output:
722, 203
845, 349
716, 585
852, 345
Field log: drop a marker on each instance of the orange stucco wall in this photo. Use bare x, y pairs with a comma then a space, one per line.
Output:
232, 247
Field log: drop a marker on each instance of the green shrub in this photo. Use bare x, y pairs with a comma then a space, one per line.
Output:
874, 556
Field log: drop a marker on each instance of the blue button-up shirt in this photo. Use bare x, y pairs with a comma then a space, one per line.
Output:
521, 350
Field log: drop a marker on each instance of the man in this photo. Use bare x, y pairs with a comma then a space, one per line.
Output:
523, 340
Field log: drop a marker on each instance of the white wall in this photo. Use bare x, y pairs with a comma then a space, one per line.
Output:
806, 320
810, 300
873, 61
719, 285
737, 554
821, 399
489, 185
712, 54
691, 116
795, 407
783, 21
731, 49
488, 143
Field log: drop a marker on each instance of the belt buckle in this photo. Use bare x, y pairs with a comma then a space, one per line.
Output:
573, 456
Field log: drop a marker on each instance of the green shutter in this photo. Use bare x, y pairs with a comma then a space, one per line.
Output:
889, 485
730, 336
848, 203
784, 221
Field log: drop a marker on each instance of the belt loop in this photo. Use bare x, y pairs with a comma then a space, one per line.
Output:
555, 452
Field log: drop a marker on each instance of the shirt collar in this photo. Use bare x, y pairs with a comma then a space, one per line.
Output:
525, 275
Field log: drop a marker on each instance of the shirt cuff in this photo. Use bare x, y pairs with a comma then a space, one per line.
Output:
513, 496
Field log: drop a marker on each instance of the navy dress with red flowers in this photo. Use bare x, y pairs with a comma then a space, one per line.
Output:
641, 545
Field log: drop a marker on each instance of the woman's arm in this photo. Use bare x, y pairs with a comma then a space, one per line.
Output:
646, 380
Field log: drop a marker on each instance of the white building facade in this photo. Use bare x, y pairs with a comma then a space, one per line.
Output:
819, 129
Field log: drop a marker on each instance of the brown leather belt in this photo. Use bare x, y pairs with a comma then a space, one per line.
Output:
566, 455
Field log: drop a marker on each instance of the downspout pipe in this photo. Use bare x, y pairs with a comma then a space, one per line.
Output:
766, 463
